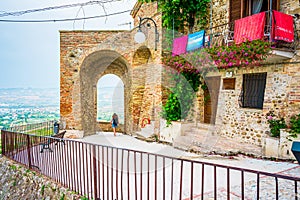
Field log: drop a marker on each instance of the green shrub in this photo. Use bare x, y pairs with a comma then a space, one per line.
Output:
295, 126
275, 126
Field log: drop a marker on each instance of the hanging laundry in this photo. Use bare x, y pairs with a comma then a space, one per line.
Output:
196, 40
179, 45
282, 27
249, 28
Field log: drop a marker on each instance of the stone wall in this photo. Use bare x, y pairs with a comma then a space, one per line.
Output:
250, 125
74, 47
86, 56
17, 182
282, 92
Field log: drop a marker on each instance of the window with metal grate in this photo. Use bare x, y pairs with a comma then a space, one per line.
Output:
253, 90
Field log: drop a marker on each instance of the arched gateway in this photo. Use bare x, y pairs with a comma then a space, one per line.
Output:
86, 56
93, 68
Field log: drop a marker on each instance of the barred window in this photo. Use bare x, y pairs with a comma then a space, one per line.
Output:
253, 90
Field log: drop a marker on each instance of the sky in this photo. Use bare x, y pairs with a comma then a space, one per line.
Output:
29, 52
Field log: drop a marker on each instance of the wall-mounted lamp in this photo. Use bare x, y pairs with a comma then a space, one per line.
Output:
140, 37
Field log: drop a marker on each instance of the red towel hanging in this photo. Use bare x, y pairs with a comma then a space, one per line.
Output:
249, 28
282, 27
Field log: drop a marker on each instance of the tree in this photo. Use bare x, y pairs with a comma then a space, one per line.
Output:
180, 13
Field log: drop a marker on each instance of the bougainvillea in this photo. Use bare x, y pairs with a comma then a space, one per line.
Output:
189, 69
240, 55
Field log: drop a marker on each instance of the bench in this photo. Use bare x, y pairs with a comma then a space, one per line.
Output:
46, 144
60, 136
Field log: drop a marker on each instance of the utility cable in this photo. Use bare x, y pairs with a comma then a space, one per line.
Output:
63, 20
18, 13
81, 8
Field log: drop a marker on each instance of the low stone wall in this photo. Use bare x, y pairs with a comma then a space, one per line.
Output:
106, 127
279, 147
17, 182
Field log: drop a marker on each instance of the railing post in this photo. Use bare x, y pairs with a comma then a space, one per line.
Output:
95, 172
28, 151
3, 144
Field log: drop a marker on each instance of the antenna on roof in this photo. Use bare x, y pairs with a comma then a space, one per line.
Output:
127, 23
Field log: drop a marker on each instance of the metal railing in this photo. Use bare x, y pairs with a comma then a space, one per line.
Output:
224, 35
42, 128
104, 172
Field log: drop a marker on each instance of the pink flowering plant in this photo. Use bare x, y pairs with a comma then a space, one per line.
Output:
275, 123
240, 55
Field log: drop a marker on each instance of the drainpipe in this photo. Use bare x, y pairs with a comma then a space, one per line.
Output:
271, 15
211, 22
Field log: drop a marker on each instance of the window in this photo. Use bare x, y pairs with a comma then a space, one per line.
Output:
253, 90
228, 83
244, 8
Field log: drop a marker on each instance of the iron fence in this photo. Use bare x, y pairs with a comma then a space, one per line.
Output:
104, 172
42, 128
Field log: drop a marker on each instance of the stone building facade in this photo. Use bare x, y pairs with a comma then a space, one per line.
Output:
282, 91
86, 56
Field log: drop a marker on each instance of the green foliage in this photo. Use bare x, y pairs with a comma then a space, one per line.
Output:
244, 54
178, 13
62, 197
275, 126
275, 123
14, 183
42, 189
13, 167
187, 82
295, 126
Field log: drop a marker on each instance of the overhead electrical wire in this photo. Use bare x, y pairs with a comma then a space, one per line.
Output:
18, 13
64, 20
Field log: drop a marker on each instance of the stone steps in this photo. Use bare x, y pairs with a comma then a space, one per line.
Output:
205, 126
183, 142
201, 136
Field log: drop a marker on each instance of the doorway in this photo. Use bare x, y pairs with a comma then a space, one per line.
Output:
211, 96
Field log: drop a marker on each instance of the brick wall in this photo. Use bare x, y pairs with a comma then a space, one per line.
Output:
86, 56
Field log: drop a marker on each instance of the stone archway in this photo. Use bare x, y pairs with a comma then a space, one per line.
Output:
94, 67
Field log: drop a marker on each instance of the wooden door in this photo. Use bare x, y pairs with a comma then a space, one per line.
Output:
211, 95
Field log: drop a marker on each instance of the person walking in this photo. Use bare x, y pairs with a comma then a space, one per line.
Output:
114, 122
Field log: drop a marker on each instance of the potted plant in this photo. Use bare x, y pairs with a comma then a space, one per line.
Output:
275, 124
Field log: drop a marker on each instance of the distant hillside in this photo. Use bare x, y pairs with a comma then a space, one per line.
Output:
32, 105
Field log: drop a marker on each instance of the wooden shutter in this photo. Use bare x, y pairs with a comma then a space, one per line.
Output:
275, 5
235, 10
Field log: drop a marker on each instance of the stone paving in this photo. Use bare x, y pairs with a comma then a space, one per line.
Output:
267, 185
216, 144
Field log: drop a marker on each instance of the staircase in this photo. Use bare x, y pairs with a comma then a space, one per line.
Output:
201, 137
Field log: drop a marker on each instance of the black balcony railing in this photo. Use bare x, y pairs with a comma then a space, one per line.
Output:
224, 35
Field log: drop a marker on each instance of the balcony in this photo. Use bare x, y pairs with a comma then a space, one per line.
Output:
281, 50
